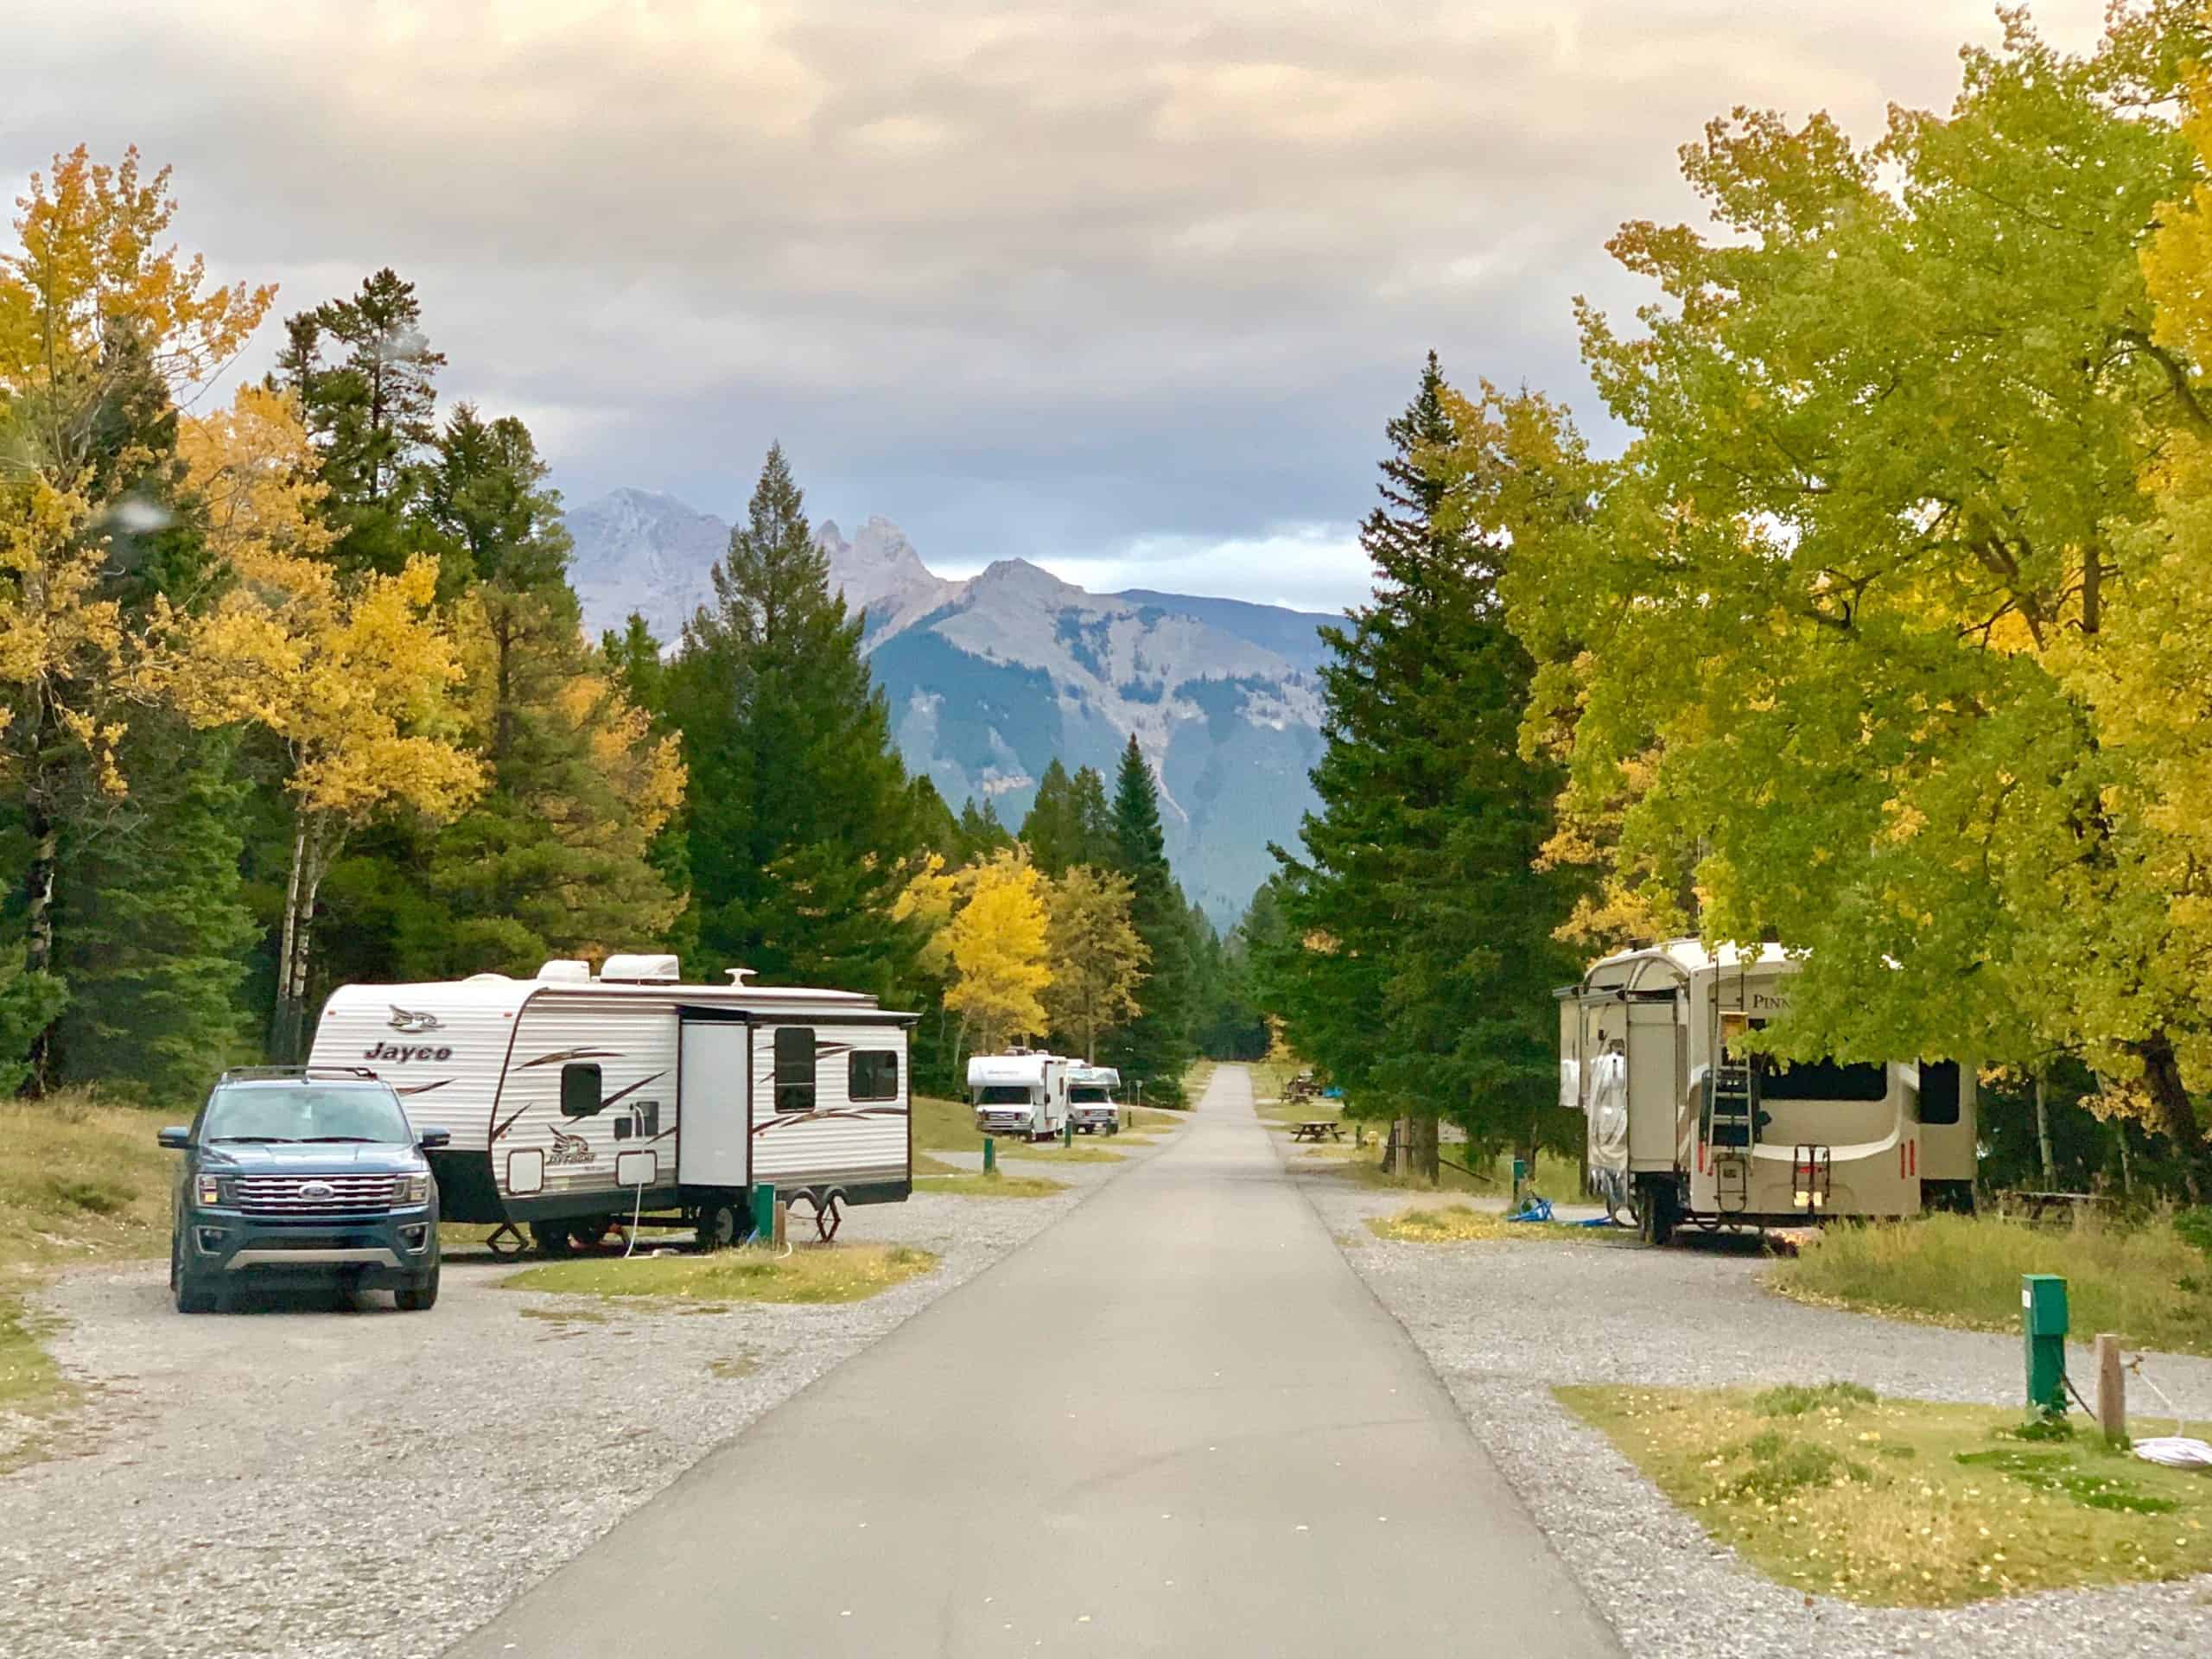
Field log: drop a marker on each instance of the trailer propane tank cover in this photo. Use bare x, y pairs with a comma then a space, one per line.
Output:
2043, 1320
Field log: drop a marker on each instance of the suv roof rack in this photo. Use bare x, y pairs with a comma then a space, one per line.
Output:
293, 1073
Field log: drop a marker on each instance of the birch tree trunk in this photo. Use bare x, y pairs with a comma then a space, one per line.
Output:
38, 924
2043, 1135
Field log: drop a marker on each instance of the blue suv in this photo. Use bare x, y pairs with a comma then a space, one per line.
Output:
293, 1175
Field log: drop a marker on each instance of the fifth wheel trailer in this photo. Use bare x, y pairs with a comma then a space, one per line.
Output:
1693, 1128
575, 1100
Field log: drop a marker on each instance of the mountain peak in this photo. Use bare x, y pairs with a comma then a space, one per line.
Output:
1030, 582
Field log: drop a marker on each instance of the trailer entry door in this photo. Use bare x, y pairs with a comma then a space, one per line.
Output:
713, 1103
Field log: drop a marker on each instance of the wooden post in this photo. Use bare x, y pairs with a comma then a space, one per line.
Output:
2112, 1390
783, 1214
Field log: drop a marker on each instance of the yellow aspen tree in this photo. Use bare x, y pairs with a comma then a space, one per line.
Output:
357, 678
1098, 959
997, 945
102, 327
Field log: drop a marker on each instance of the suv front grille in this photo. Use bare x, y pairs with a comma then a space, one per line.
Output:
331, 1195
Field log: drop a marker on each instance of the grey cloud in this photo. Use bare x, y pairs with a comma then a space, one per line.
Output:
1029, 278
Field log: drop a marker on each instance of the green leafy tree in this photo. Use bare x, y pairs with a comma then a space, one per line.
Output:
799, 832
1097, 959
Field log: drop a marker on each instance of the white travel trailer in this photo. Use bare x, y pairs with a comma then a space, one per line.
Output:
1019, 1093
1690, 1127
574, 1101
1091, 1105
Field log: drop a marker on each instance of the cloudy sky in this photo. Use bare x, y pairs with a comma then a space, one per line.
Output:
1129, 289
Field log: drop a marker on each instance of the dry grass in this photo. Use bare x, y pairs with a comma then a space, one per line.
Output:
1898, 1503
811, 1273
2143, 1282
1452, 1223
974, 1184
80, 1181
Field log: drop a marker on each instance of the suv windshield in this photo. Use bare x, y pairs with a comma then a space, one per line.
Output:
305, 1112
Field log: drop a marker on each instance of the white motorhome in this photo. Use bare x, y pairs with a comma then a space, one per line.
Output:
1019, 1093
1691, 1127
575, 1100
1091, 1104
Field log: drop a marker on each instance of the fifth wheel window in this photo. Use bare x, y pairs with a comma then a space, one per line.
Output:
874, 1075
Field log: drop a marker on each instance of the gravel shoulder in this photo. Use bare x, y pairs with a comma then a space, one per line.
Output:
1502, 1323
320, 1481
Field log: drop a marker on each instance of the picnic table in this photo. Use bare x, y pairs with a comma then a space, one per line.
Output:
2041, 1206
1317, 1129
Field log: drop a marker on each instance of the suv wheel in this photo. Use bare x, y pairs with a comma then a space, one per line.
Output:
191, 1297
420, 1297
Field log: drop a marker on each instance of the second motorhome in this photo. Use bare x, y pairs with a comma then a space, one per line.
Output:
1093, 1107
1688, 1126
1019, 1093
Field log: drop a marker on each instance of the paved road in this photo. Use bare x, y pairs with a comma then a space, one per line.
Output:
1174, 1423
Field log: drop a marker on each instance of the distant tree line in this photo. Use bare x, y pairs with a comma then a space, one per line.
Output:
294, 691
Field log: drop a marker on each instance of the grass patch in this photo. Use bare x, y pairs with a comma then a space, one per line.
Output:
80, 1181
974, 1184
817, 1273
1898, 1503
2145, 1282
1451, 1223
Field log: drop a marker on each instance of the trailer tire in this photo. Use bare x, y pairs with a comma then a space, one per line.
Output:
552, 1238
590, 1232
1656, 1217
720, 1225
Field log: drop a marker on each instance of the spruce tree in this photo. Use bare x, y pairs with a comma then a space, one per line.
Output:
797, 820
1419, 957
158, 930
1052, 831
1156, 1044
1093, 820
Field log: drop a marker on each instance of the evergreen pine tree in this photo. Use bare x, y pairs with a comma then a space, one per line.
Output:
797, 819
1053, 831
157, 927
1156, 1044
1093, 820
1420, 956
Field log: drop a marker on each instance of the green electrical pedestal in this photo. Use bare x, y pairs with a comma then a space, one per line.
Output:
2043, 1323
764, 1213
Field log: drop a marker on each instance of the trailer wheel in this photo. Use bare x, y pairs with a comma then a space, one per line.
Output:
720, 1226
1655, 1217
552, 1238
590, 1232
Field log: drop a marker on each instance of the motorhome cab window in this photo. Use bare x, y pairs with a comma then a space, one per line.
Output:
579, 1090
795, 1069
1823, 1080
873, 1075
1939, 1091
1003, 1094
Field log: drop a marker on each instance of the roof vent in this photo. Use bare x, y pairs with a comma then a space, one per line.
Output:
565, 969
639, 971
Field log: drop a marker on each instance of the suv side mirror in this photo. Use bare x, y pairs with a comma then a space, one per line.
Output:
175, 1137
431, 1139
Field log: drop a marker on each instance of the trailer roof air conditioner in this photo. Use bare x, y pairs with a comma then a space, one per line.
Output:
640, 970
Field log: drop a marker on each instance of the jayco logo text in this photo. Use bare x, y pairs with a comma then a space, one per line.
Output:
403, 1052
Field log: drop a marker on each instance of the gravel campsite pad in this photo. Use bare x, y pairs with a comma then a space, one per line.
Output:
1502, 1323
307, 1482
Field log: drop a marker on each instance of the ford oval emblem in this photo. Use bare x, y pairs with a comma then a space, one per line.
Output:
317, 1190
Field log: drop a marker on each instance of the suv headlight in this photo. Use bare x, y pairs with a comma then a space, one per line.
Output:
209, 1189
415, 1189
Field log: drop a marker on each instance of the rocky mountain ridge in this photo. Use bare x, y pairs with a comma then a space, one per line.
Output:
990, 677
